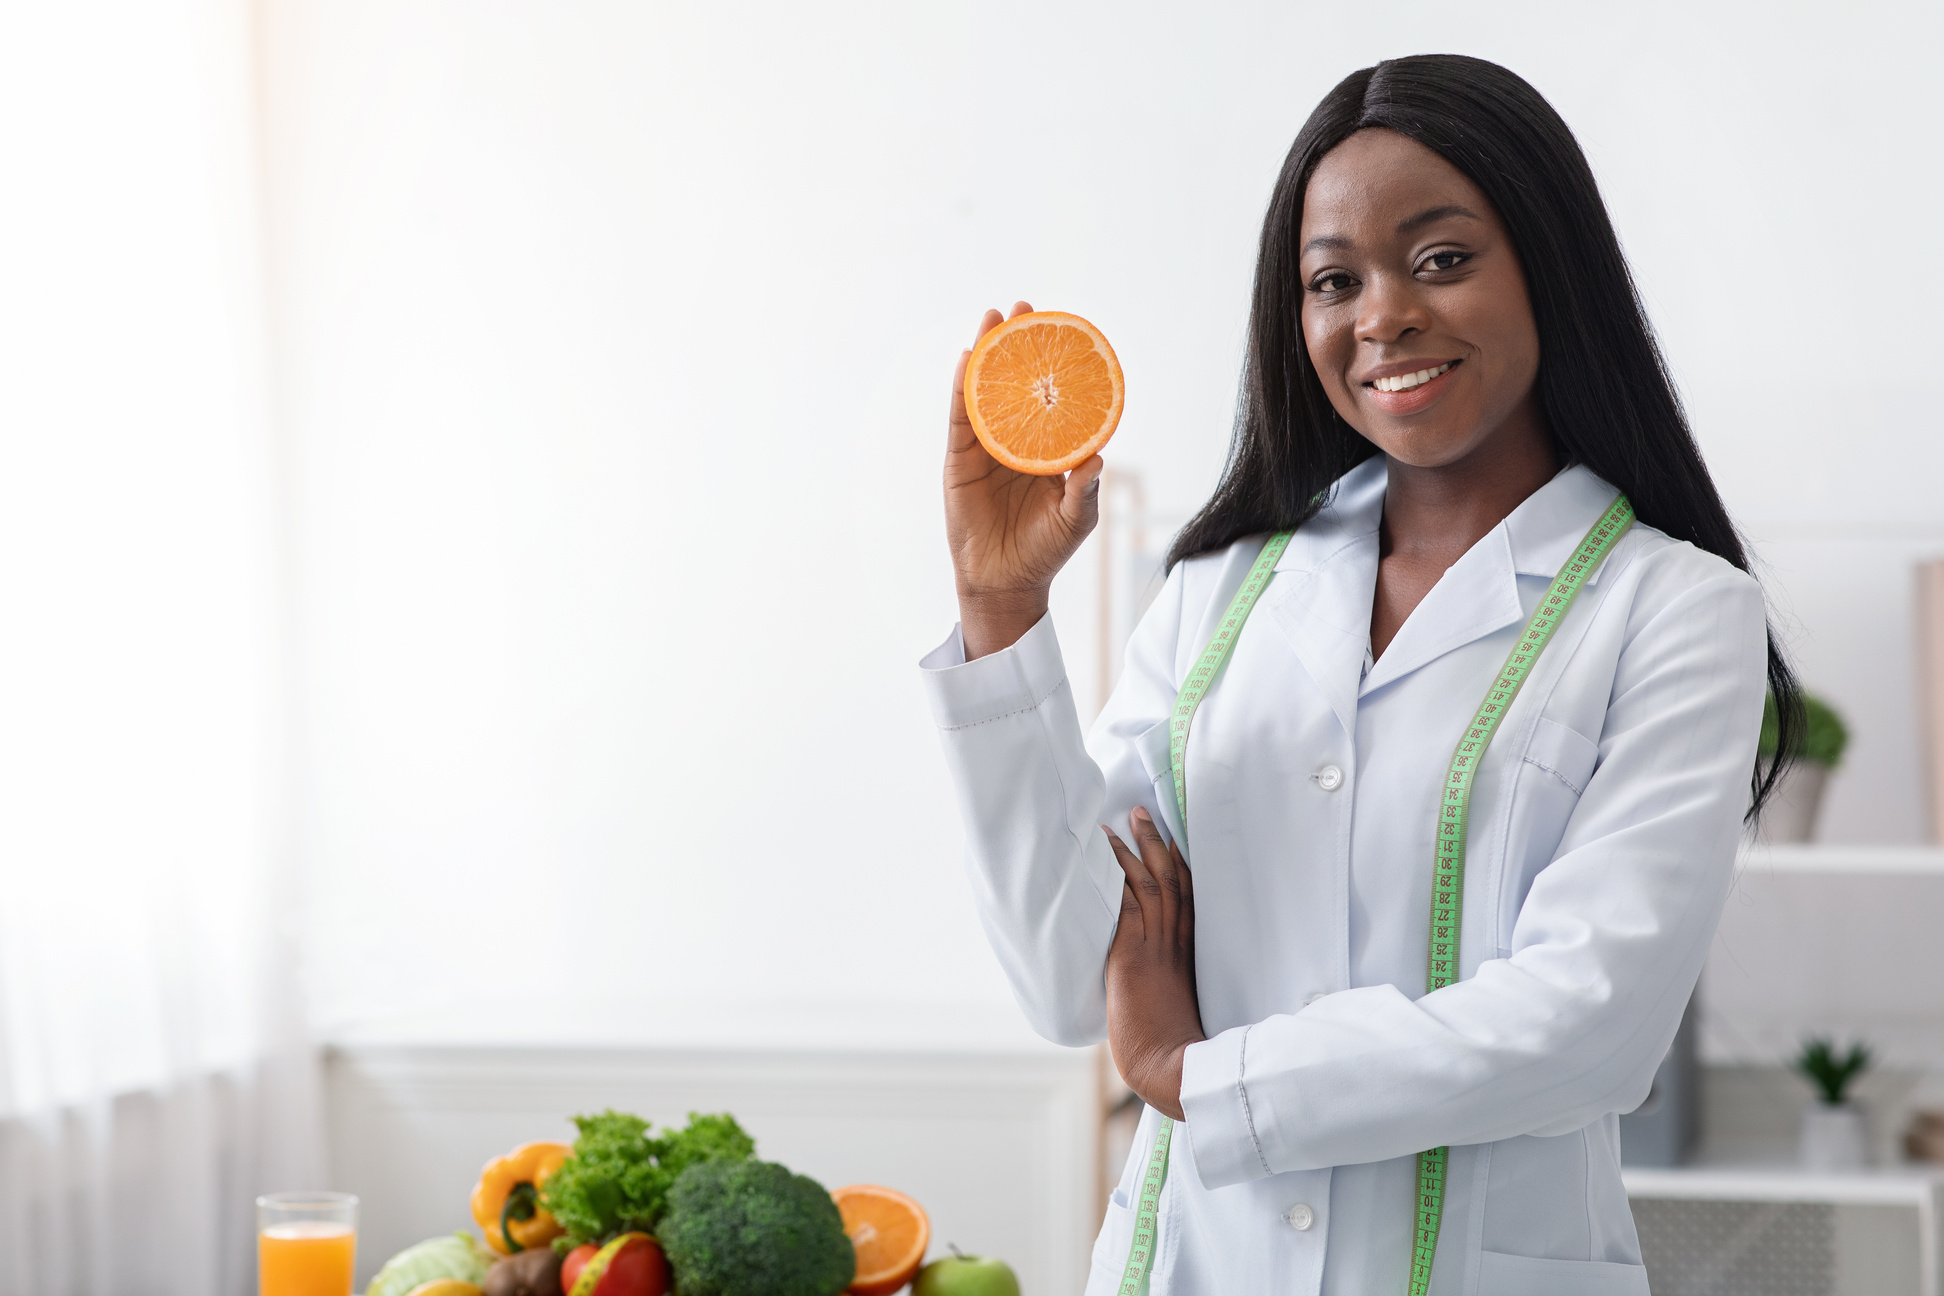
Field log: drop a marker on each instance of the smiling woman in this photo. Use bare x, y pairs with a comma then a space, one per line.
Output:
1464, 619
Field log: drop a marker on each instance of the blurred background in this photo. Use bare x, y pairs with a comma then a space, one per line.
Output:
469, 516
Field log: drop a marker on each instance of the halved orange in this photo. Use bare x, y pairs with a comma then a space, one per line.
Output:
1043, 391
890, 1232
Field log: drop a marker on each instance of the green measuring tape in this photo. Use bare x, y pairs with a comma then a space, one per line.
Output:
1448, 864
1448, 855
1147, 1212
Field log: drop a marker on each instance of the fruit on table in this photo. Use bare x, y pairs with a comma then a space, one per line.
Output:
530, 1273
1043, 392
889, 1232
964, 1275
456, 1255
631, 1265
445, 1287
571, 1266
506, 1201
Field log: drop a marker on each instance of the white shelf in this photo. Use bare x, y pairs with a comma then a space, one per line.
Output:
1876, 860
1918, 1186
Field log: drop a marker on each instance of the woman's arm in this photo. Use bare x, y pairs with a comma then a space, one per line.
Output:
1606, 949
1033, 798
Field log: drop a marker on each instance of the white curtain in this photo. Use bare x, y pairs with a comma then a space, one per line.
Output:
154, 1074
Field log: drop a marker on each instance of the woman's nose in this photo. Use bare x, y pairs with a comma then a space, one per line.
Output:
1388, 308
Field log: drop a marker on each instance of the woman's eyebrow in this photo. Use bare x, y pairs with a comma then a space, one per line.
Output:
1431, 215
1410, 225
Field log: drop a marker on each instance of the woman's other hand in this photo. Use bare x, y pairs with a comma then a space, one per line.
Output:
1009, 532
1153, 1013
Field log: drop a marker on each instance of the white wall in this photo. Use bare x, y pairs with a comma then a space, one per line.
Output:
613, 346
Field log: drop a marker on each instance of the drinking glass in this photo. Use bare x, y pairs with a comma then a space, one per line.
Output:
307, 1243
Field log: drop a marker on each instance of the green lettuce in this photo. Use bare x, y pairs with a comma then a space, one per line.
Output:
460, 1256
618, 1178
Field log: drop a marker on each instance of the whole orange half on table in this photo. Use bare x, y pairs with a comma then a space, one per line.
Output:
1043, 391
890, 1232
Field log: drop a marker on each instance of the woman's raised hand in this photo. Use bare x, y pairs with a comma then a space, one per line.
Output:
1153, 1008
1010, 533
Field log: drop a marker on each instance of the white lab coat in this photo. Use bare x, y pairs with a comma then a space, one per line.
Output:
1603, 829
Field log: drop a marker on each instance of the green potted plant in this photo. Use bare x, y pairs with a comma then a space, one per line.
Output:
1791, 813
1833, 1133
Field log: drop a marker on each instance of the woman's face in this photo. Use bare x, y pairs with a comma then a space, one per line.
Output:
1414, 306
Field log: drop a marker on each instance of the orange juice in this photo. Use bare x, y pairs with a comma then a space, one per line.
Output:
306, 1259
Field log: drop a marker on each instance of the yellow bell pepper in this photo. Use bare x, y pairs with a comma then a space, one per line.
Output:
506, 1201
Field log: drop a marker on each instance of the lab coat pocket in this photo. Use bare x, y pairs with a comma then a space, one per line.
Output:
1153, 748
1558, 762
1110, 1248
1500, 1274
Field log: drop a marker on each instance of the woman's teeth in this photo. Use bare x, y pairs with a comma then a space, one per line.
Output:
1404, 382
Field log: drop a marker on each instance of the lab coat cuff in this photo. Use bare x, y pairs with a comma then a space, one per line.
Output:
1004, 683
1215, 1099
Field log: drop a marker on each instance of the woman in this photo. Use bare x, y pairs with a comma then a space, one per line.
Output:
1454, 403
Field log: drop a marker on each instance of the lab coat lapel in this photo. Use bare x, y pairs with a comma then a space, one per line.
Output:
1320, 598
1479, 594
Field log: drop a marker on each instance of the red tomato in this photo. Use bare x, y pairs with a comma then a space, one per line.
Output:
570, 1268
638, 1269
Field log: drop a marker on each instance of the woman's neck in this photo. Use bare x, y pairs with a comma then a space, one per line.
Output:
1433, 515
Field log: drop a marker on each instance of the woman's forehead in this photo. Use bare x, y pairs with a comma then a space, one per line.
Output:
1378, 185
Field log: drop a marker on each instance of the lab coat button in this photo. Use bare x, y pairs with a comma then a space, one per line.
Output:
1329, 778
1300, 1217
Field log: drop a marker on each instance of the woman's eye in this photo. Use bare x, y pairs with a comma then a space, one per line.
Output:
1333, 281
1444, 261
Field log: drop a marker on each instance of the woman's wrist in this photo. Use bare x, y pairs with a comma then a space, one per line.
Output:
991, 622
1159, 1084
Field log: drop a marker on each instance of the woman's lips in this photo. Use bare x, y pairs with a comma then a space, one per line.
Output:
1412, 399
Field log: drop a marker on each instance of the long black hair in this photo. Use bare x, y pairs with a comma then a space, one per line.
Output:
1608, 401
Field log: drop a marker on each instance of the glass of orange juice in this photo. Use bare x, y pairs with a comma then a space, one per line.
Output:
307, 1243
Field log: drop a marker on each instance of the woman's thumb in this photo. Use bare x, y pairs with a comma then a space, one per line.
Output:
1081, 502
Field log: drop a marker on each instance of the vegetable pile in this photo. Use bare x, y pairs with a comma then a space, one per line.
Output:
619, 1175
627, 1211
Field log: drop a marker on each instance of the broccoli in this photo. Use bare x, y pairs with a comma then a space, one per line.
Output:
619, 1175
751, 1228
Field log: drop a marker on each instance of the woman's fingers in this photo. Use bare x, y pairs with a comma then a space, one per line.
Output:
1156, 855
1020, 308
959, 435
1141, 884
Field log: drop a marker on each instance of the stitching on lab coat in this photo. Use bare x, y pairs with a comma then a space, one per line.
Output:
1577, 789
1003, 715
1241, 1068
1481, 1186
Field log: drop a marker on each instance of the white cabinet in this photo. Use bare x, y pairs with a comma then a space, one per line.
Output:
1713, 1229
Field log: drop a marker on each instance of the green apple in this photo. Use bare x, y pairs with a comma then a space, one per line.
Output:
964, 1275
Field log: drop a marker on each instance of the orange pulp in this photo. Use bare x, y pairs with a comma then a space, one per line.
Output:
890, 1232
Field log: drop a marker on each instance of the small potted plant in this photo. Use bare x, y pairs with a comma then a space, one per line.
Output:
1833, 1133
1791, 813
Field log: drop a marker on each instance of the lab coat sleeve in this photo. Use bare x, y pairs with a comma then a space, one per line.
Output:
1033, 798
1605, 951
